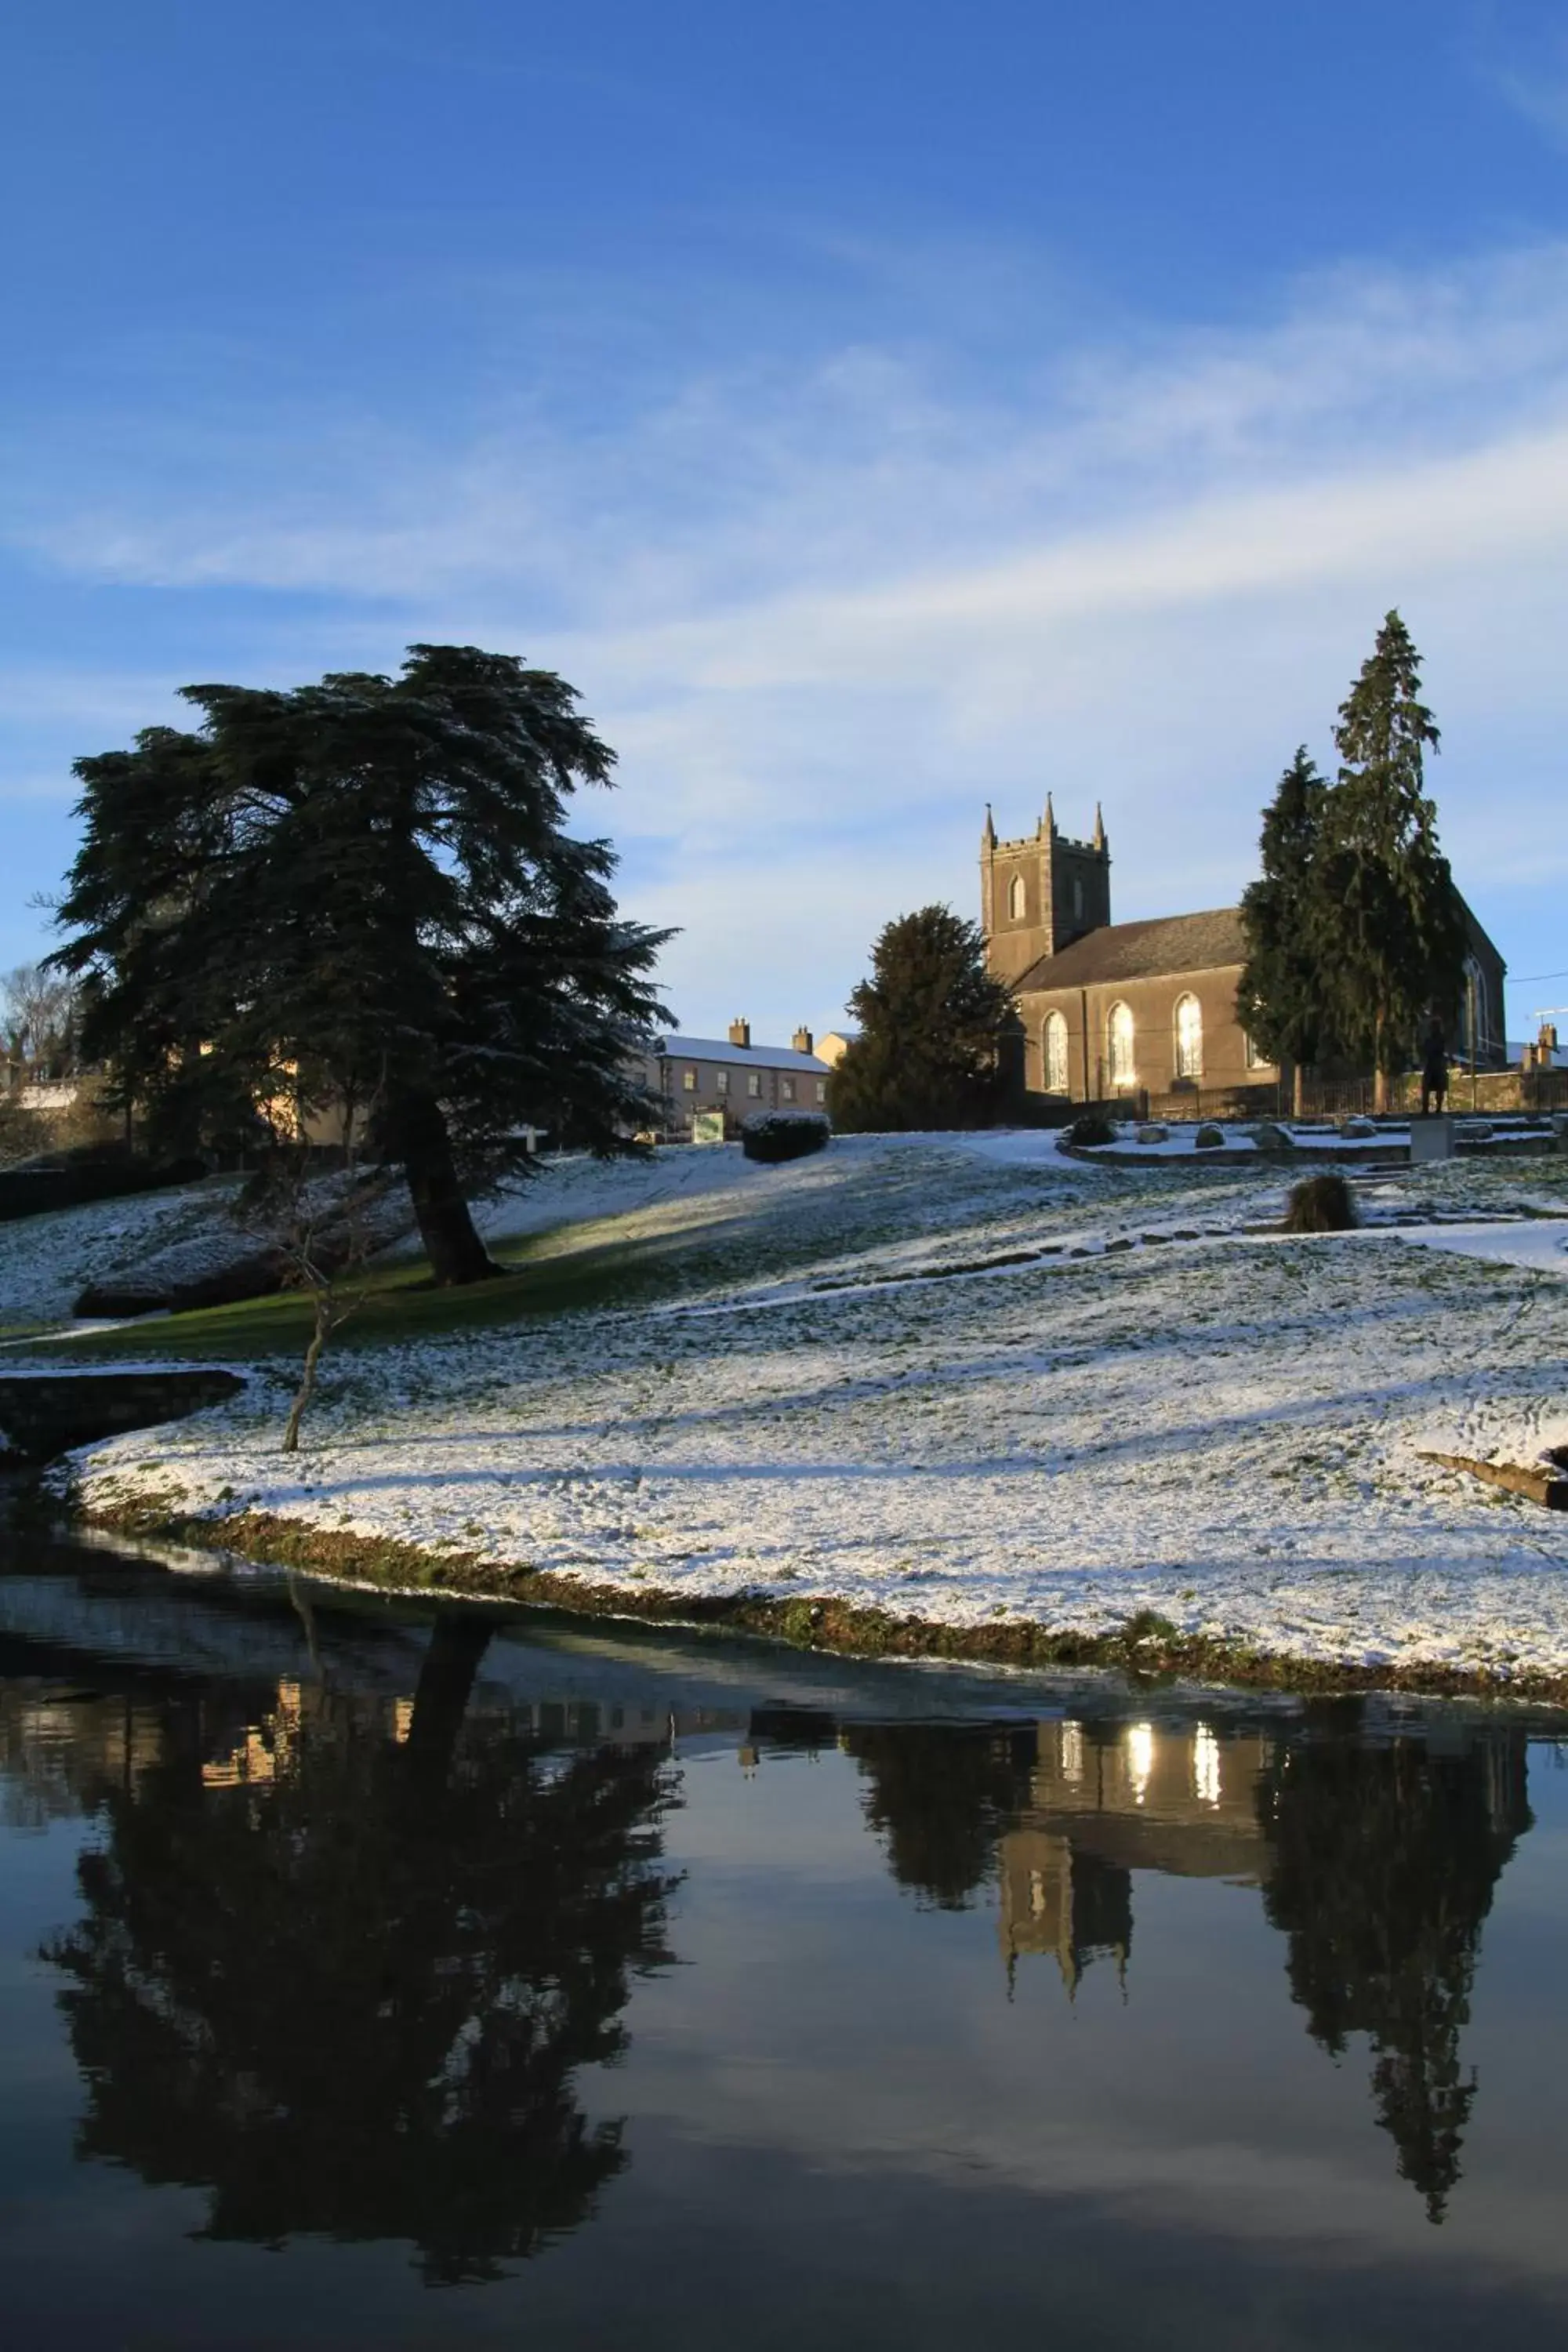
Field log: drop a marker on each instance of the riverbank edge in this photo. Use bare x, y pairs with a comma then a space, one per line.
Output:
1145, 1644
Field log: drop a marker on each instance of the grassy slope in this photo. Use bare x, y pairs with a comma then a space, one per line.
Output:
633, 1259
937, 1375
399, 1303
639, 1258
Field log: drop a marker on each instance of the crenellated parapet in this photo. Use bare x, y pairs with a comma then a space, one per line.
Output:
1040, 891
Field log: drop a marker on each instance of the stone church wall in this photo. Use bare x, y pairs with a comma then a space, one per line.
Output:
1222, 1062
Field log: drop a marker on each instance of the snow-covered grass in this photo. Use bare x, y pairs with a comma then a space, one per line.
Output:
971, 1380
46, 1262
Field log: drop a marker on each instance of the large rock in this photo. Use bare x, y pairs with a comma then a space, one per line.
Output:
1153, 1134
1209, 1137
222, 1263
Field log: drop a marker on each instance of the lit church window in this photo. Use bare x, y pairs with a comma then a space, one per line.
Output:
1016, 897
1118, 1034
1189, 1037
1055, 1053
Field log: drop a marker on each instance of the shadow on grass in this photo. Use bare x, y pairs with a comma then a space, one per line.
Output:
403, 1304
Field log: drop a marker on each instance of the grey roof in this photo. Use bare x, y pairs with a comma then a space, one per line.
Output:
748, 1057
1168, 943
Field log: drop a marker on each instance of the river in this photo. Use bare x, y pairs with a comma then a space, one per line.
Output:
385, 1974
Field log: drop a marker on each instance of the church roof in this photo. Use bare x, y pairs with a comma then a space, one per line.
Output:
1168, 943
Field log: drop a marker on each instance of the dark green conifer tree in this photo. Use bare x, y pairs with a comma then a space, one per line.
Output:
1391, 939
1283, 995
363, 892
933, 1022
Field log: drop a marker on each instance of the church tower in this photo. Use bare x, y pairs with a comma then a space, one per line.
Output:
1039, 894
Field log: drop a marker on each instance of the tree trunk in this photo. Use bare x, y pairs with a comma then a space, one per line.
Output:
455, 1253
1298, 1090
1380, 1071
458, 1640
307, 1388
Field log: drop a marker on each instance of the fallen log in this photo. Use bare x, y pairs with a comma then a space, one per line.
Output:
1537, 1483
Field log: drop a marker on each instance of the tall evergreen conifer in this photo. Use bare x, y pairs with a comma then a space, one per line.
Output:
933, 1020
1283, 996
1391, 935
361, 892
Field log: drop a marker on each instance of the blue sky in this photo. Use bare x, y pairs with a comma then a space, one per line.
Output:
873, 409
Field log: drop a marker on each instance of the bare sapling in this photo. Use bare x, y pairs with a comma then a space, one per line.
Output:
323, 1227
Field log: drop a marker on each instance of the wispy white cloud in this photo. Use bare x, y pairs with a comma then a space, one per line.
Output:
1535, 83
826, 610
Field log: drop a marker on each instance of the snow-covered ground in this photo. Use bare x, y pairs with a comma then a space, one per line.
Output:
47, 1262
970, 1380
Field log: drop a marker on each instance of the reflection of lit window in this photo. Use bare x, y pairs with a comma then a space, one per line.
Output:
1140, 1759
1072, 1751
1206, 1765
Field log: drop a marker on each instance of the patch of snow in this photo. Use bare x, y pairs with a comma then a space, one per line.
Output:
1542, 1243
46, 1262
1161, 1404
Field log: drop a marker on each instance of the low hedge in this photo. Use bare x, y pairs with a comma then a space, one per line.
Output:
774, 1135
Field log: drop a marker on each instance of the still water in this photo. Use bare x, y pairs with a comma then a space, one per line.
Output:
373, 1975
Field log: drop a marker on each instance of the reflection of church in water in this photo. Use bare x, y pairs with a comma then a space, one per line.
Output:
1376, 1857
1098, 1808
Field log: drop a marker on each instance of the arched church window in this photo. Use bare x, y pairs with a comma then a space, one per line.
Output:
1474, 1019
1189, 1037
1119, 1040
1054, 1054
1078, 897
1016, 897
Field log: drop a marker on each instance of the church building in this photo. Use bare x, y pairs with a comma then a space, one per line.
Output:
1144, 1009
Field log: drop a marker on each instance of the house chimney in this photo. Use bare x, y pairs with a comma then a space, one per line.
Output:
740, 1033
802, 1041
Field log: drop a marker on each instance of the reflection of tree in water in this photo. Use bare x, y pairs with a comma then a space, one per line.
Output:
1385, 1861
354, 1999
940, 1796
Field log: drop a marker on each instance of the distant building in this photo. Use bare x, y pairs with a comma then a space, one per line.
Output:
832, 1048
1544, 1053
731, 1075
1148, 1008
